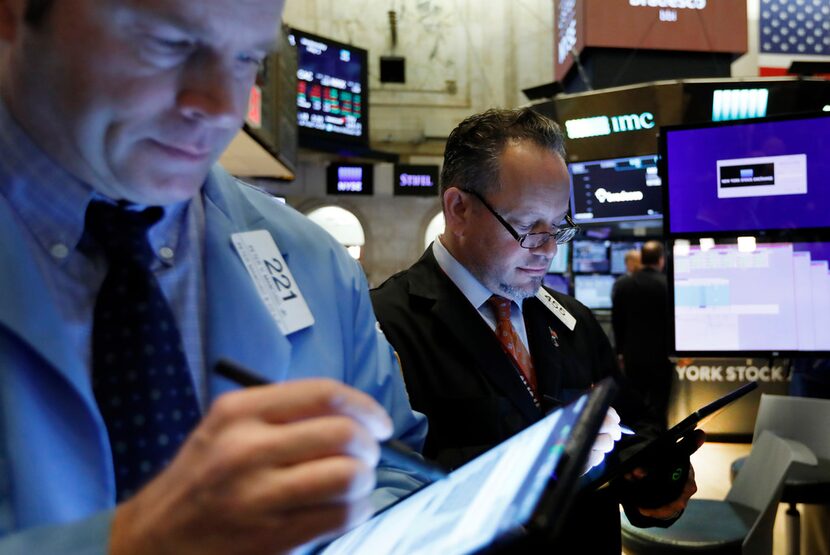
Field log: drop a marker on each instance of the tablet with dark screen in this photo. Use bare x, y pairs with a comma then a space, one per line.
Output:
672, 436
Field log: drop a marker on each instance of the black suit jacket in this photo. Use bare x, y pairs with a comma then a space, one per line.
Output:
458, 375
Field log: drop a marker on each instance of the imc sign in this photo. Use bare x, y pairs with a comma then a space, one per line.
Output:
416, 180
598, 126
350, 179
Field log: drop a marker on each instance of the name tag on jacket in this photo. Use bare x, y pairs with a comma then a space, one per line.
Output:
273, 280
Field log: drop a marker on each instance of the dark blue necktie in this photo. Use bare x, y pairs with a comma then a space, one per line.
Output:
140, 375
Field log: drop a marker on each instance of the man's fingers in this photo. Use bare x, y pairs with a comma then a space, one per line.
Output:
603, 443
317, 483
305, 440
297, 400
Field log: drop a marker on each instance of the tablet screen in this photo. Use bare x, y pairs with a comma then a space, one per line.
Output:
483, 500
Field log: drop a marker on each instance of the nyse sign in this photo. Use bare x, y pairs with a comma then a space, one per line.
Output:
598, 126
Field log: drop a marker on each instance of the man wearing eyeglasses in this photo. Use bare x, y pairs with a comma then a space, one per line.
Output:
486, 350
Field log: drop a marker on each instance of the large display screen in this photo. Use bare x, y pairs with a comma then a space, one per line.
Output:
765, 297
616, 189
331, 88
590, 256
618, 252
746, 176
594, 291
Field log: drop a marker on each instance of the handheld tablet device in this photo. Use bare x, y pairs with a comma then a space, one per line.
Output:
663, 452
525, 482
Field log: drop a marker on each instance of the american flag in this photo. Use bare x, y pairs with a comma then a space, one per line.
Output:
793, 30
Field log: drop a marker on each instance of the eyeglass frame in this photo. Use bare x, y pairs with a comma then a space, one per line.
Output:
561, 236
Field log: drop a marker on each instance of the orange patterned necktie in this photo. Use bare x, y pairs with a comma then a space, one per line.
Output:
512, 343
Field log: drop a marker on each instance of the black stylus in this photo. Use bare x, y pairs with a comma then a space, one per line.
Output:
392, 451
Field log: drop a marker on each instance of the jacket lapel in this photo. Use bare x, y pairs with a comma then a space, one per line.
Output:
469, 332
239, 326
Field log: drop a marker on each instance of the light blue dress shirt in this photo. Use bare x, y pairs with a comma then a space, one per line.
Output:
51, 205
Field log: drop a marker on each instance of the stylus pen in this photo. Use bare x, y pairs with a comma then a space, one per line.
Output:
392, 451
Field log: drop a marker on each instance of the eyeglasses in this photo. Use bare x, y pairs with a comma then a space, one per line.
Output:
562, 235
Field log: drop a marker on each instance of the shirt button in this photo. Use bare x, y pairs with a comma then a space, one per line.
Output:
166, 253
59, 251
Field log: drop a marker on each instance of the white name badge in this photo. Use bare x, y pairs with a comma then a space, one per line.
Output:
273, 280
557, 309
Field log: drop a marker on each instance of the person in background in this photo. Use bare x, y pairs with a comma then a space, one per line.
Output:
127, 259
632, 261
485, 350
639, 315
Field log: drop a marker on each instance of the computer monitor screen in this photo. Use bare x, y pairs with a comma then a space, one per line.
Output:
615, 190
559, 263
746, 297
332, 88
590, 256
594, 291
557, 282
752, 175
618, 251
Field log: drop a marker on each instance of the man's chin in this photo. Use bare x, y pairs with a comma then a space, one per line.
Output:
518, 292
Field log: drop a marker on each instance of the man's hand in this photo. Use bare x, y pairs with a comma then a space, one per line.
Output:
673, 509
267, 470
609, 433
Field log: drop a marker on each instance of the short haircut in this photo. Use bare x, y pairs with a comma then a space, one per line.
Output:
471, 157
651, 253
36, 11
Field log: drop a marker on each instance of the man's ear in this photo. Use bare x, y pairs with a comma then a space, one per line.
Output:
456, 210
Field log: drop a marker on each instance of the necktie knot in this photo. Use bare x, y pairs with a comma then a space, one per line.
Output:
501, 306
122, 233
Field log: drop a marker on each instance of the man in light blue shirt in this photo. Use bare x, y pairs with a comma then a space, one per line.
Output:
130, 103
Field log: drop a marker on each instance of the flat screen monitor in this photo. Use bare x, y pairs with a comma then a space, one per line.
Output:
746, 298
618, 251
590, 256
594, 291
332, 89
525, 483
557, 282
750, 175
619, 189
350, 179
559, 263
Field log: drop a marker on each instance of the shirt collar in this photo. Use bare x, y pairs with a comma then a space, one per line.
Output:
52, 203
469, 286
